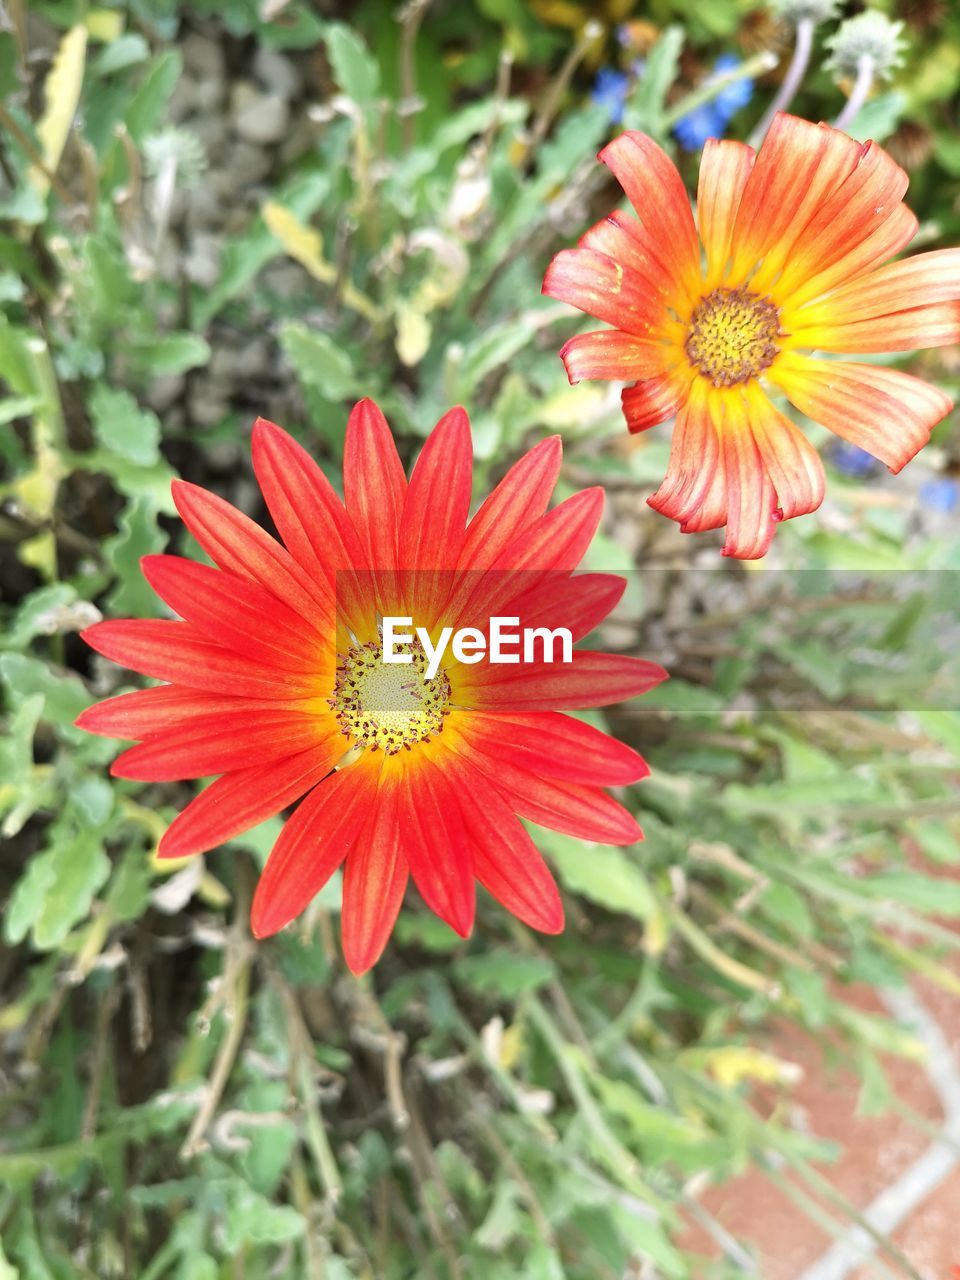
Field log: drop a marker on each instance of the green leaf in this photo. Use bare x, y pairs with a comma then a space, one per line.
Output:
57, 889
504, 973
645, 108
318, 361
139, 535
149, 104
171, 353
32, 618
604, 875
121, 426
251, 1218
354, 68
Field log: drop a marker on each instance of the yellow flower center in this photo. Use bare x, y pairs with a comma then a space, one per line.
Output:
733, 336
387, 706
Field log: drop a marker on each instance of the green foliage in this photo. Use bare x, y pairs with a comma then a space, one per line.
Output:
186, 1103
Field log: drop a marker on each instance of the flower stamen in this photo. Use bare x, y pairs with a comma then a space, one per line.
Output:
388, 706
733, 336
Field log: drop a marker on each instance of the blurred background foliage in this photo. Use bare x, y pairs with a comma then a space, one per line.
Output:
213, 211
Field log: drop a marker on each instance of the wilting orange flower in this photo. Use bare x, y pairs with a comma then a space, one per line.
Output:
276, 682
793, 241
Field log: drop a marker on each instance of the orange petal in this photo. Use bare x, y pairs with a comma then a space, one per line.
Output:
607, 290
798, 165
608, 353
865, 202
374, 880
653, 400
724, 170
655, 189
793, 464
888, 413
932, 278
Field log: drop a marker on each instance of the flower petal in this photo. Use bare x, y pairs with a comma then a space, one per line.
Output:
654, 400
590, 680
310, 519
311, 846
792, 462
865, 201
219, 743
603, 288
752, 513
558, 746
886, 412
862, 255
577, 602
654, 187
374, 879
236, 613
507, 862
621, 237
798, 166
182, 654
147, 712
238, 544
608, 353
374, 484
437, 845
934, 277
519, 499
587, 813
935, 326
694, 456
724, 170
241, 800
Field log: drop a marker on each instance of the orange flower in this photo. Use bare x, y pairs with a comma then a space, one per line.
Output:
793, 241
277, 682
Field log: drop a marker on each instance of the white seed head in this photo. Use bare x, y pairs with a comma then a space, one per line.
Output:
796, 11
869, 36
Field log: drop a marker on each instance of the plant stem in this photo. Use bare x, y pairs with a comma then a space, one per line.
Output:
858, 94
791, 81
758, 65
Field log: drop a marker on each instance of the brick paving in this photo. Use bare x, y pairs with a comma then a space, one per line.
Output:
888, 1166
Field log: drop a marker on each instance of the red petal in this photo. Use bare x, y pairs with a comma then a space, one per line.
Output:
508, 863
179, 652
150, 711
886, 412
587, 813
935, 326
374, 880
374, 484
311, 520
515, 504
934, 277
752, 513
236, 543
238, 801
236, 613
222, 742
435, 516
557, 746
578, 602
311, 847
590, 680
622, 238
437, 846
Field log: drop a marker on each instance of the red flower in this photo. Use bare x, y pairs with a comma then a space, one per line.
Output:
793, 241
276, 682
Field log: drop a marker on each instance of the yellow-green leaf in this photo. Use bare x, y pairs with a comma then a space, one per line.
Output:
61, 96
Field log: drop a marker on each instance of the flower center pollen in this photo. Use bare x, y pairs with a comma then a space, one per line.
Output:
388, 706
733, 336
